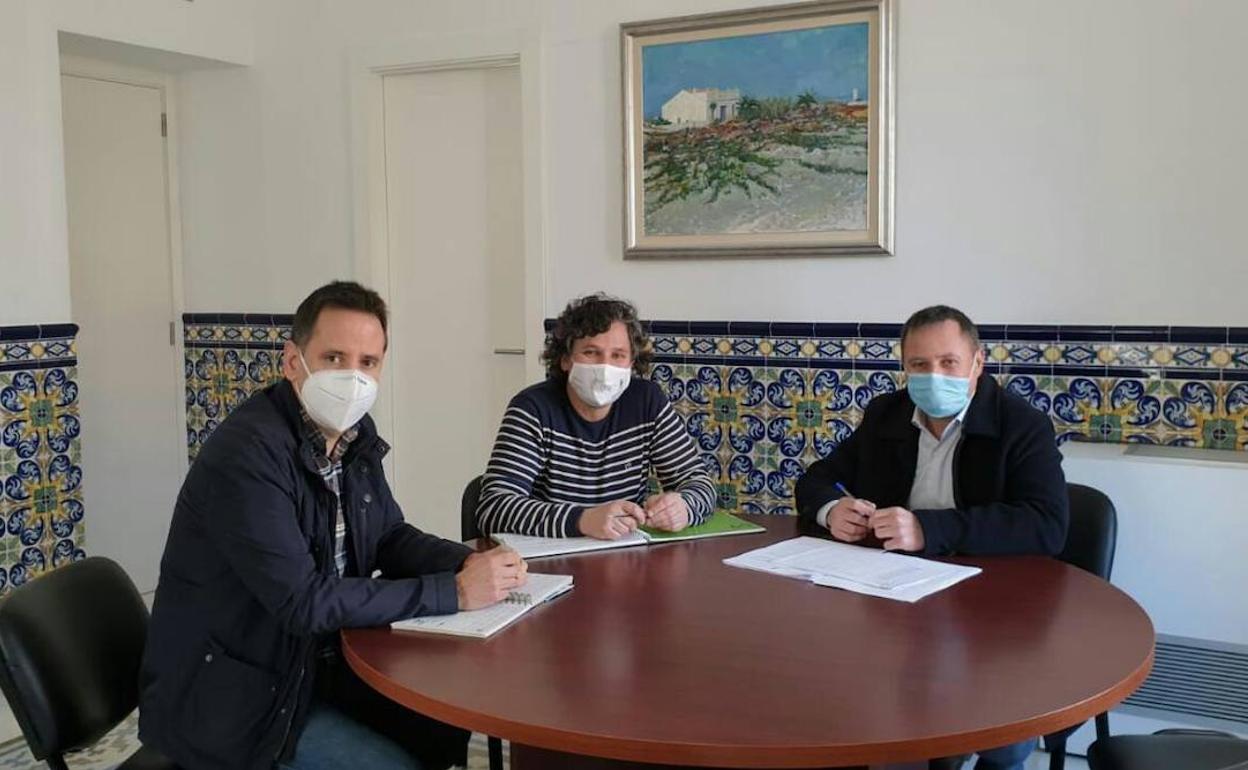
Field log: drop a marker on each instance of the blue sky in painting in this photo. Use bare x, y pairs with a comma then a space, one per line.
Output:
830, 61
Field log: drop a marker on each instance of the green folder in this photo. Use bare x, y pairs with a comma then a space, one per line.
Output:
718, 525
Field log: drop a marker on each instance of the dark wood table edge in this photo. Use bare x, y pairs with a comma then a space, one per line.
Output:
753, 755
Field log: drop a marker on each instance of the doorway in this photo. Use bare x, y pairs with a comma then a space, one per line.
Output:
454, 187
122, 290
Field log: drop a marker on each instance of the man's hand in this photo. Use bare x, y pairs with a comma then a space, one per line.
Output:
898, 528
850, 519
488, 576
611, 521
668, 512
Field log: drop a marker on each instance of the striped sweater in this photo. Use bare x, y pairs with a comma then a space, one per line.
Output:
549, 464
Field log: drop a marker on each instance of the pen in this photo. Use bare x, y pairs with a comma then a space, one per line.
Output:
845, 493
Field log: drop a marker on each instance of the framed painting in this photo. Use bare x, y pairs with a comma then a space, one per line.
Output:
760, 133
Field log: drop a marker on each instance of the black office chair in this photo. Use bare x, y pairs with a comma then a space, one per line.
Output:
1170, 749
70, 646
469, 530
1090, 544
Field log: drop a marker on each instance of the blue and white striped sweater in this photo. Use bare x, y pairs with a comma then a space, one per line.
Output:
549, 464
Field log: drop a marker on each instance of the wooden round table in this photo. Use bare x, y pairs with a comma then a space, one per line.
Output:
662, 654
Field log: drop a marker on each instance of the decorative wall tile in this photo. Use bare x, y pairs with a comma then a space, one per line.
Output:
41, 501
228, 357
763, 400
1038, 390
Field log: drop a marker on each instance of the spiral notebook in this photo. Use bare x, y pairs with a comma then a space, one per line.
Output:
538, 589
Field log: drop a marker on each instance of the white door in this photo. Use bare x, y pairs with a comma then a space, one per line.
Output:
133, 453
456, 276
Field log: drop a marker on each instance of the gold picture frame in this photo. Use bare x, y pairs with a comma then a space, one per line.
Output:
760, 133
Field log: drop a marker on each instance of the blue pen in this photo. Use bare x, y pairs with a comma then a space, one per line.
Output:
845, 493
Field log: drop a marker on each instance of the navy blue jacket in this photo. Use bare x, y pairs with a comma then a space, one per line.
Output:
248, 591
1008, 485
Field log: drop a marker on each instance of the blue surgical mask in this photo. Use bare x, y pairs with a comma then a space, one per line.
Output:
938, 395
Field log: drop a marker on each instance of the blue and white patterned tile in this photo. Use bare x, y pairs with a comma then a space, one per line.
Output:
1095, 382
1192, 356
1028, 352
1131, 412
228, 358
866, 350
1075, 353
790, 347
869, 383
704, 346
833, 348
665, 344
1134, 355
1193, 414
742, 346
1035, 389
41, 504
1077, 404
1233, 397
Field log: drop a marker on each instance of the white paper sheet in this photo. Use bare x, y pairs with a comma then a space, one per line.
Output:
854, 568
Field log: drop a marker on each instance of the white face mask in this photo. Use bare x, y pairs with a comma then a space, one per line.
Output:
599, 384
336, 399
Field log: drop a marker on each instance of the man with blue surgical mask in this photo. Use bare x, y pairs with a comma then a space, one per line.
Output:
575, 452
951, 464
285, 532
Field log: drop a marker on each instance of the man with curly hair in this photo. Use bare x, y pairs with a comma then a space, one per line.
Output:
574, 453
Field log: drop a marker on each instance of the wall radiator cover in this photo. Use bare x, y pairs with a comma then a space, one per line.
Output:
1197, 678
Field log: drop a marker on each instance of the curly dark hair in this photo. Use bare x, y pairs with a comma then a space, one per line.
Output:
590, 316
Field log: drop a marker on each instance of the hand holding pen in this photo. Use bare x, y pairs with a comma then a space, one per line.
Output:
850, 519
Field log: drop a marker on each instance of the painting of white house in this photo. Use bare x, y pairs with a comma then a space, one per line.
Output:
757, 133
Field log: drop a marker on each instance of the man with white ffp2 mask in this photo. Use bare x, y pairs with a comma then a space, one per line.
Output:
281, 523
574, 453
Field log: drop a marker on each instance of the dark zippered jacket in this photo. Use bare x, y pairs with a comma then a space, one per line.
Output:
248, 589
1008, 485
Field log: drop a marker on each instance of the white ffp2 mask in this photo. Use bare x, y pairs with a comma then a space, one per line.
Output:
336, 399
599, 385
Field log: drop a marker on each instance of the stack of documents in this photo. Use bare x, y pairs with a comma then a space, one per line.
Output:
489, 620
854, 568
532, 547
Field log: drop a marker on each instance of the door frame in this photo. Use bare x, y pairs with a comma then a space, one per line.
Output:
111, 72
367, 67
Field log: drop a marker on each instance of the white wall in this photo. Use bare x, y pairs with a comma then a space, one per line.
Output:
34, 268
1085, 151
266, 174
1088, 152
1188, 510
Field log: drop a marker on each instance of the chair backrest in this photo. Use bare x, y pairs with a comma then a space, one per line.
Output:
468, 529
71, 642
1093, 532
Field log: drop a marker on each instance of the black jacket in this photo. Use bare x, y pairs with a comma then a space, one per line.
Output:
1008, 483
248, 589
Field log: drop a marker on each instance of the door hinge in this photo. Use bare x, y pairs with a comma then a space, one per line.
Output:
164, 124
172, 342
